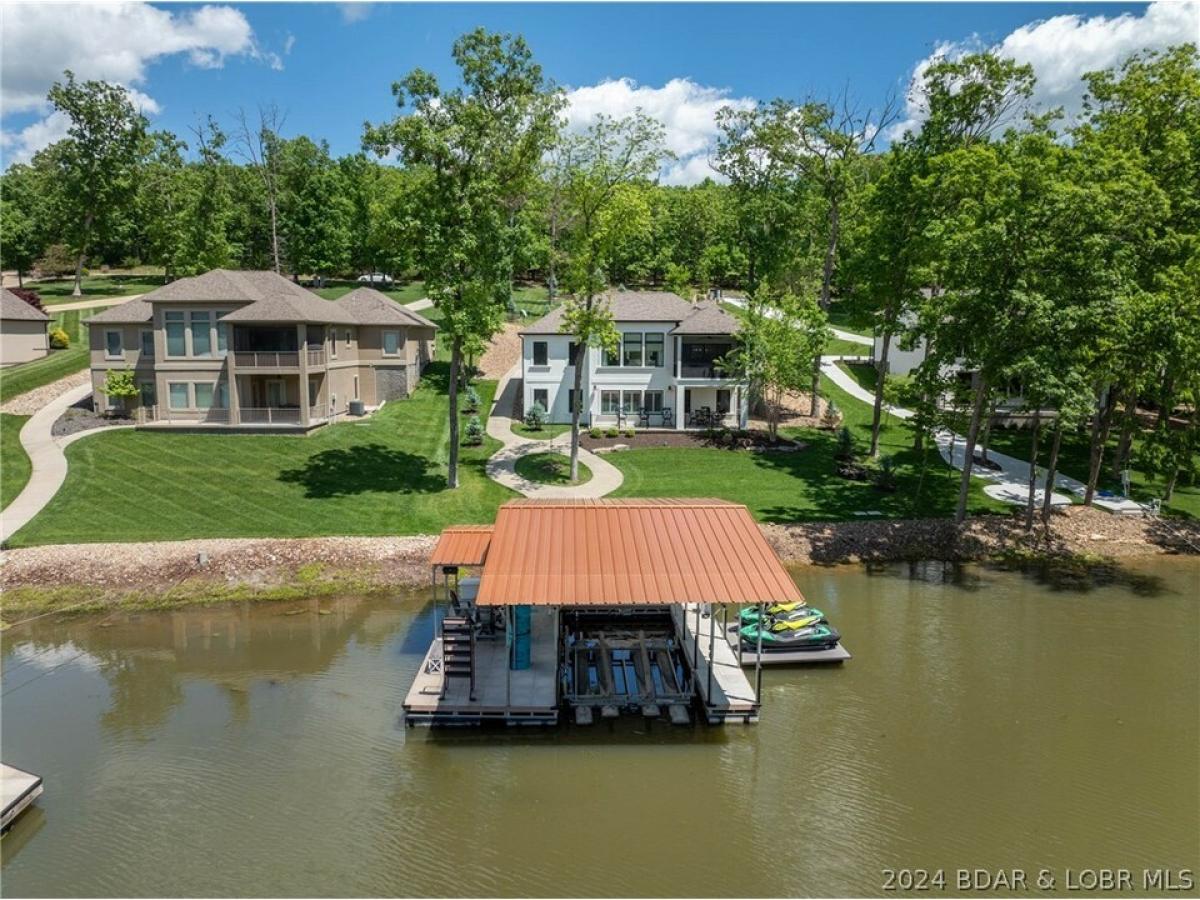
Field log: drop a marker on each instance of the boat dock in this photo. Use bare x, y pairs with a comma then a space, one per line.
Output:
19, 790
728, 696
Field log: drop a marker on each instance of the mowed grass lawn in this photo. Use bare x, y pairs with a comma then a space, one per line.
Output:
384, 475
803, 486
60, 363
59, 290
14, 462
405, 292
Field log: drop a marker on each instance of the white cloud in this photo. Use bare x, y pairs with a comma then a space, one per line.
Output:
1061, 49
686, 109
107, 41
354, 12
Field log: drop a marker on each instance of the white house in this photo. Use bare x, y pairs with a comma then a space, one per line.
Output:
664, 374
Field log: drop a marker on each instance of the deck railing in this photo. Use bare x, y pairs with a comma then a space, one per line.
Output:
273, 359
269, 415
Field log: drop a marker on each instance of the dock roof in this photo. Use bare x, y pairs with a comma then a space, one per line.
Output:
630, 552
462, 545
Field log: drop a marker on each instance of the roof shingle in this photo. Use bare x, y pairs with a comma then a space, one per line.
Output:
13, 309
131, 312
370, 307
625, 306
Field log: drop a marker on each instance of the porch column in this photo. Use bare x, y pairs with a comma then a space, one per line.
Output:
235, 404
302, 339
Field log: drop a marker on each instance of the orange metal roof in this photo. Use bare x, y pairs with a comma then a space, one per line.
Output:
462, 545
643, 552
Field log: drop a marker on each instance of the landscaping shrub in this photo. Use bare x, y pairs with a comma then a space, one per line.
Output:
596, 432
612, 431
535, 418
885, 474
472, 400
119, 386
59, 339
629, 432
33, 298
829, 418
845, 450
473, 433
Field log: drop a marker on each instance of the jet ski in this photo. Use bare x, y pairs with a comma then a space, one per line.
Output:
786, 636
749, 614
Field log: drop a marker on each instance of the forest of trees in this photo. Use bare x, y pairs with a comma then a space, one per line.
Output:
1063, 256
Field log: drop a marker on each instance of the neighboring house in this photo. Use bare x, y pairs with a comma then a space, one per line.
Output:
22, 330
236, 349
664, 373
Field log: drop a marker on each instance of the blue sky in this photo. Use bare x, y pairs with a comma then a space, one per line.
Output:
330, 66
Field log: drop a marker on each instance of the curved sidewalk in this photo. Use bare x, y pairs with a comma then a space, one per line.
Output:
501, 466
49, 466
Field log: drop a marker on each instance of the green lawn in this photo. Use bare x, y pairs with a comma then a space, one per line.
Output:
60, 363
548, 431
840, 316
840, 347
401, 293
14, 463
384, 475
802, 486
550, 468
59, 290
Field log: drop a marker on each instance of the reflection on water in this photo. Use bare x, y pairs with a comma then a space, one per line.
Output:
989, 718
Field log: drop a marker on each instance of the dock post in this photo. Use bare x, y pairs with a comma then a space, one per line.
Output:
712, 645
507, 660
739, 635
762, 618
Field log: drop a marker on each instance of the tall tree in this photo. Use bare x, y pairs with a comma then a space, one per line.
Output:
24, 225
259, 147
596, 171
478, 148
97, 161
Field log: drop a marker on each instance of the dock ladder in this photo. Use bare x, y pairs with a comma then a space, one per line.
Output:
458, 651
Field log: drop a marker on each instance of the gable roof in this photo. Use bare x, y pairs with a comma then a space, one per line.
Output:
630, 552
708, 318
14, 309
371, 307
268, 297
625, 306
131, 312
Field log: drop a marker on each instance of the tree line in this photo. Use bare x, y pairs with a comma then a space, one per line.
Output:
1063, 257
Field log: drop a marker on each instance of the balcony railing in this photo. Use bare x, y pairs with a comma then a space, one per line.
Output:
316, 358
270, 415
707, 370
247, 415
273, 359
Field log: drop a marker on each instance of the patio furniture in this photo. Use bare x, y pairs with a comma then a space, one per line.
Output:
668, 417
643, 417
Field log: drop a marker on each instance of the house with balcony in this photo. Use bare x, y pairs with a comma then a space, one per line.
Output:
665, 373
231, 349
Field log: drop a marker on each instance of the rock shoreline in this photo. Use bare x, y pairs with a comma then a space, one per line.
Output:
172, 573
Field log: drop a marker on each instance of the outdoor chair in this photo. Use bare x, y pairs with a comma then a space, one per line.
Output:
668, 418
643, 418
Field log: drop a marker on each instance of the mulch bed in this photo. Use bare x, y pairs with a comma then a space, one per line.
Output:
81, 417
740, 440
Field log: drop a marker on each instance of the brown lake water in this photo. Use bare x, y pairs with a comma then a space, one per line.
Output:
988, 719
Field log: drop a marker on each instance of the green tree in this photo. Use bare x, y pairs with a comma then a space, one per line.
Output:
477, 148
23, 222
97, 162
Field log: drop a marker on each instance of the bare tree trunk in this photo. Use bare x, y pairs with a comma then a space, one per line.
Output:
20, 279
877, 412
987, 432
274, 232
1033, 455
964, 487
1101, 422
455, 364
1051, 471
1169, 487
77, 291
1128, 417
826, 289
577, 401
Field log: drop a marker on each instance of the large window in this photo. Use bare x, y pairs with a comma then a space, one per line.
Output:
631, 349
222, 335
178, 391
572, 346
654, 349
201, 334
204, 394
541, 397
148, 344
653, 401
631, 401
613, 357
147, 392
541, 353
221, 400
391, 343
610, 402
112, 345
176, 338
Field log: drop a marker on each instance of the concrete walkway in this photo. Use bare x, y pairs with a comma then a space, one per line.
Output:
46, 456
89, 304
501, 467
418, 305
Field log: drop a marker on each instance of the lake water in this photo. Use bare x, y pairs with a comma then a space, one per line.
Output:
988, 719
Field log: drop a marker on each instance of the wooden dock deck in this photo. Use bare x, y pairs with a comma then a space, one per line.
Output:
732, 696
19, 790
531, 698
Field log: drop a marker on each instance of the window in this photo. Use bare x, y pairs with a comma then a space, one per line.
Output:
631, 401
355, 387
540, 353
572, 346
654, 350
652, 400
201, 334
221, 400
147, 392
178, 392
314, 390
222, 335
571, 399
346, 335
148, 344
541, 396
204, 394
722, 401
333, 342
631, 348
612, 357
176, 339
112, 345
610, 402
391, 343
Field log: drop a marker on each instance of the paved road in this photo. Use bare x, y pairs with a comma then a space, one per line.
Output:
501, 467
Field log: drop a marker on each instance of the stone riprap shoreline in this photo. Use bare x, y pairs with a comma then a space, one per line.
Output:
171, 573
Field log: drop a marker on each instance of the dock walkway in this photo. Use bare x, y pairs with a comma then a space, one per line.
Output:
732, 696
19, 790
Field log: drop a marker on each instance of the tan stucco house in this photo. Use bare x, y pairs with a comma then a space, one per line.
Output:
22, 330
231, 349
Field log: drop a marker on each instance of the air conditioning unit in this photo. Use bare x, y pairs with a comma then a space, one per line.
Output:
357, 408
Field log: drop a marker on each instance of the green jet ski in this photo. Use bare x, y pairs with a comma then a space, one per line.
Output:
781, 612
780, 636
